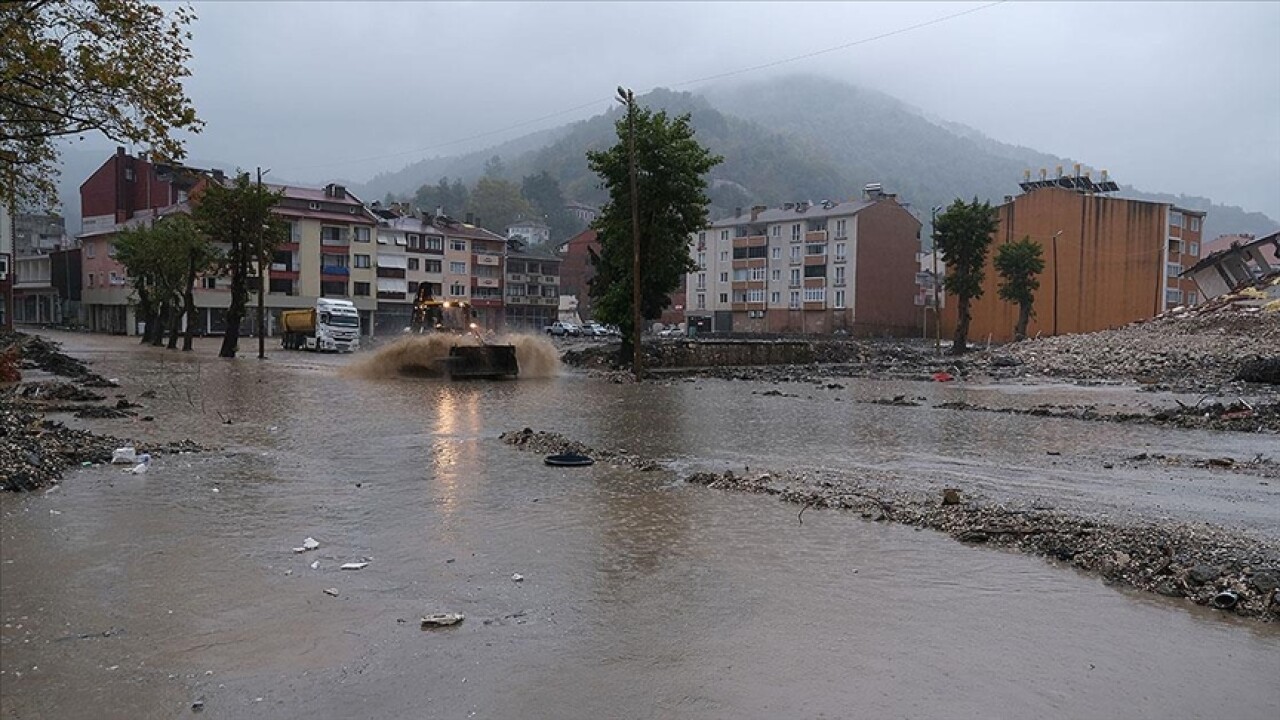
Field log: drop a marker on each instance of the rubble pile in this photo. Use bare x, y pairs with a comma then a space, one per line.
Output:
1234, 336
1205, 564
1237, 416
39, 353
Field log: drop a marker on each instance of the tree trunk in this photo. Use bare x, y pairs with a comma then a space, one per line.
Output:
189, 303
161, 319
145, 312
175, 325
1024, 317
961, 344
235, 311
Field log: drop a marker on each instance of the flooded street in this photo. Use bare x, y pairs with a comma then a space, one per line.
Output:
642, 597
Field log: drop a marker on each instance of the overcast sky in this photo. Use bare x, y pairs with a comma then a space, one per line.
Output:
1178, 97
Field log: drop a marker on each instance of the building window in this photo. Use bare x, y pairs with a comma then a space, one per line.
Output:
457, 290
1195, 224
1192, 298
515, 290
333, 288
313, 205
413, 288
777, 230
841, 248
775, 298
702, 281
795, 277
361, 289
1172, 296
209, 283
815, 294
724, 256
111, 249
795, 232
702, 301
331, 235
795, 253
90, 249
458, 244
724, 277
1172, 270
819, 249
362, 234
1193, 249
1175, 219
90, 279
414, 264
384, 239
458, 268
702, 238
839, 274
795, 299
740, 275
702, 261
755, 296
433, 266
840, 298
362, 261
724, 235
757, 274
777, 253
116, 279
724, 298
776, 276
434, 242
840, 229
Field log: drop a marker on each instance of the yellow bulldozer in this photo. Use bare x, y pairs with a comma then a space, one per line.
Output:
481, 360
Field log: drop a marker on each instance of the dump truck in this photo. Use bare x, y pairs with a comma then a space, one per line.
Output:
483, 360
332, 325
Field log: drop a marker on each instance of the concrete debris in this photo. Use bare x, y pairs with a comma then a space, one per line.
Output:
353, 566
332, 592
124, 456
951, 496
309, 544
445, 619
517, 577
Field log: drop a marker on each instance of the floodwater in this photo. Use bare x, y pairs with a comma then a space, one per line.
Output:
132, 596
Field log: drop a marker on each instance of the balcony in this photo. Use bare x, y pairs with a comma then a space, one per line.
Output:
335, 270
487, 259
517, 277
815, 236
486, 282
750, 241
390, 272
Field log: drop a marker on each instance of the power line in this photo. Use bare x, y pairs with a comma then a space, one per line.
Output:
695, 81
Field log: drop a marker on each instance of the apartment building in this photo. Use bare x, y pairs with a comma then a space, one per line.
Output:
532, 287
531, 232
36, 236
6, 272
1108, 262
329, 252
808, 268
576, 270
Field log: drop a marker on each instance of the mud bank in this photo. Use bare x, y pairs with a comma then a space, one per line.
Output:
1208, 565
1235, 417
34, 451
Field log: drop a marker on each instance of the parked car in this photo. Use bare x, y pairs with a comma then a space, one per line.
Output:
594, 329
671, 332
572, 329
557, 329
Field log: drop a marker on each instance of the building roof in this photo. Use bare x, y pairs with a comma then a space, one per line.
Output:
142, 219
433, 226
775, 215
360, 218
534, 253
536, 223
316, 194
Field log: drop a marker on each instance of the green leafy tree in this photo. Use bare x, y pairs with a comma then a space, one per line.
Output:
239, 215
1020, 264
452, 198
670, 179
963, 234
73, 67
138, 250
543, 192
494, 167
497, 203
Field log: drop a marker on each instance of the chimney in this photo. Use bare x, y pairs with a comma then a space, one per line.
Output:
477, 222
470, 218
756, 210
872, 191
1008, 199
788, 206
439, 210
737, 212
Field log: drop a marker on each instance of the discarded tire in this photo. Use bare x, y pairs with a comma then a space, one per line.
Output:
568, 460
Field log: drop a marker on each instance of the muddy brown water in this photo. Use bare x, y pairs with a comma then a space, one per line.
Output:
131, 597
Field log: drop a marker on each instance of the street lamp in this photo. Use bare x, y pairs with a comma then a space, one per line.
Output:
263, 270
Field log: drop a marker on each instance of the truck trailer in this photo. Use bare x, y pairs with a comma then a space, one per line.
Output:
332, 325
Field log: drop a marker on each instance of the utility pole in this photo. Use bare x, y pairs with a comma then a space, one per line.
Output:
628, 98
262, 286
1055, 282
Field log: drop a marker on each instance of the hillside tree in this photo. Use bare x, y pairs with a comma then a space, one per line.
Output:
75, 67
239, 215
497, 203
1020, 264
963, 234
670, 203
543, 192
449, 197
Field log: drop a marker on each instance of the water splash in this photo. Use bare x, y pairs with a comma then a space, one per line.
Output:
420, 355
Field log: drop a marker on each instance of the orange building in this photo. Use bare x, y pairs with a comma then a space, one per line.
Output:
1108, 262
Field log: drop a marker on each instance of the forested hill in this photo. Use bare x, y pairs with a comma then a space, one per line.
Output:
798, 138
